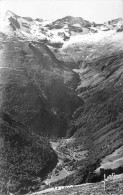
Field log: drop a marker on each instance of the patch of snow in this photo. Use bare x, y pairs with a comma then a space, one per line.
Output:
86, 38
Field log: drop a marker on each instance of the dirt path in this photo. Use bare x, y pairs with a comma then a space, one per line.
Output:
87, 187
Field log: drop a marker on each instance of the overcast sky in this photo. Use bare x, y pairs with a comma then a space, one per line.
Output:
92, 10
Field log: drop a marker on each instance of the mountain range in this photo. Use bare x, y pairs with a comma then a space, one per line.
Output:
59, 79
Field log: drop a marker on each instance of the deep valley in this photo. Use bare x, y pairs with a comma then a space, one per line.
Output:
61, 92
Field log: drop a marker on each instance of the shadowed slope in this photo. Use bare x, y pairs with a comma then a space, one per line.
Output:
23, 156
36, 88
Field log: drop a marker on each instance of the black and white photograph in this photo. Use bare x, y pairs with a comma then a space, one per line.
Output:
61, 97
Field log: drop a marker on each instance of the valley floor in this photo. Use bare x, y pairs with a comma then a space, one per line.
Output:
60, 171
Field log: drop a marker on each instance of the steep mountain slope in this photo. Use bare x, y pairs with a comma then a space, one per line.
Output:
24, 156
37, 88
97, 128
40, 89
101, 117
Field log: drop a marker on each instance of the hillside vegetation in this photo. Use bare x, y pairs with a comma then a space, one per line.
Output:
24, 156
31, 77
56, 84
31, 107
97, 127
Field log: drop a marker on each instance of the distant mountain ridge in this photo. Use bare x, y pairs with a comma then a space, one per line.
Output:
57, 32
69, 20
